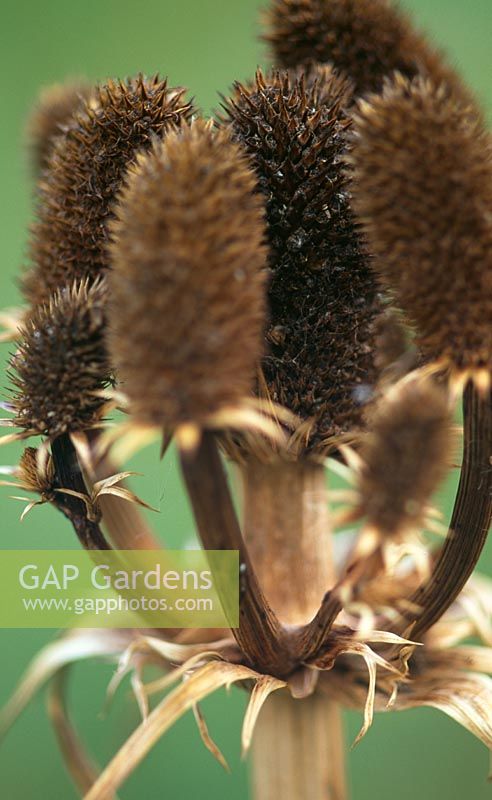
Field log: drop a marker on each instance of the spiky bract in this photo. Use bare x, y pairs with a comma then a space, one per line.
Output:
365, 39
61, 363
187, 284
405, 455
85, 171
52, 112
423, 190
322, 295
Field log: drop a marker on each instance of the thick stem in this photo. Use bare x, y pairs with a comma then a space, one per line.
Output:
298, 748
260, 635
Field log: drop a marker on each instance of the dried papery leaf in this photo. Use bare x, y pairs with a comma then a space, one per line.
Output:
61, 363
79, 764
423, 191
262, 689
11, 320
202, 683
187, 307
75, 646
207, 739
405, 455
52, 112
366, 39
322, 296
85, 171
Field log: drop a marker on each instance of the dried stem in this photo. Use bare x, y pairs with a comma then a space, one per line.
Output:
470, 521
260, 635
298, 749
68, 475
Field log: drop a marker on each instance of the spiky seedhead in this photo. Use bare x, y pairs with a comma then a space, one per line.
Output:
52, 112
365, 39
187, 284
423, 190
322, 295
85, 171
61, 363
405, 456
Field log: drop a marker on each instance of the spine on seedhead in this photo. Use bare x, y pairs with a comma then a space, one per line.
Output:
323, 298
187, 280
53, 111
85, 171
423, 190
60, 368
365, 39
403, 458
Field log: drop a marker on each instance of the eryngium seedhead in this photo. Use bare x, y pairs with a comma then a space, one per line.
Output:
322, 295
85, 171
423, 191
187, 279
405, 455
61, 363
365, 39
53, 111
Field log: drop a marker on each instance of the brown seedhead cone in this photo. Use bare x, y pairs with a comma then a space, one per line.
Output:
187, 284
423, 190
322, 295
85, 171
61, 363
405, 455
53, 111
365, 39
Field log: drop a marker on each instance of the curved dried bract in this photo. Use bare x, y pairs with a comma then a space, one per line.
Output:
61, 363
187, 285
322, 295
423, 191
52, 112
86, 169
365, 39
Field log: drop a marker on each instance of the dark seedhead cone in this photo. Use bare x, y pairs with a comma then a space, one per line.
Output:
187, 280
322, 295
365, 39
85, 171
61, 364
423, 191
53, 110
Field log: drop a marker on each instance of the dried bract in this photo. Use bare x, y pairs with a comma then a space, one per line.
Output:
187, 284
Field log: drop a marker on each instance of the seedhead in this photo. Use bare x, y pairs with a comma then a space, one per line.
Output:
187, 281
323, 299
53, 112
367, 40
61, 368
86, 168
423, 190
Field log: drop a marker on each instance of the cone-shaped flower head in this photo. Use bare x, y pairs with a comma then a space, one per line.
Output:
423, 189
61, 363
322, 295
52, 112
86, 167
365, 39
187, 279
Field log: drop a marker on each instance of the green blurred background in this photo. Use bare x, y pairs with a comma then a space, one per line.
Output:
205, 45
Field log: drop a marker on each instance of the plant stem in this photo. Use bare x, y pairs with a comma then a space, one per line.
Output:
298, 748
260, 635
